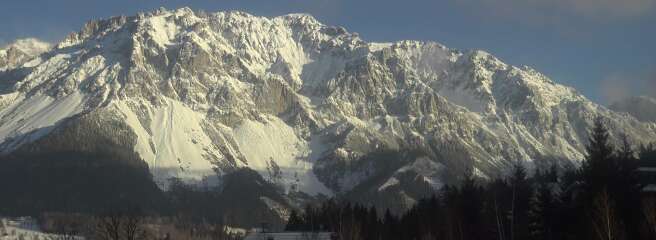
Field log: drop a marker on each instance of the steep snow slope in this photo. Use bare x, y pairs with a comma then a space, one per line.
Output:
273, 141
25, 119
212, 93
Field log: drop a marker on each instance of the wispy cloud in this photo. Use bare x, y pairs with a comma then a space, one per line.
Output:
555, 10
616, 87
608, 8
3, 42
650, 84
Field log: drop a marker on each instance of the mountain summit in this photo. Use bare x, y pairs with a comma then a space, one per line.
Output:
312, 108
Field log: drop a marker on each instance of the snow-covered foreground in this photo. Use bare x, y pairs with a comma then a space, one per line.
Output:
25, 228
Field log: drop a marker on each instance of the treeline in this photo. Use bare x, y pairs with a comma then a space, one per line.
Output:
237, 202
602, 199
68, 181
187, 212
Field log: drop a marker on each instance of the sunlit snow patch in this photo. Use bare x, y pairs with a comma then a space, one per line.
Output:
274, 140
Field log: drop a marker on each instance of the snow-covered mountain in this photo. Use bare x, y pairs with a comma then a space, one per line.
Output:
20, 51
641, 107
311, 107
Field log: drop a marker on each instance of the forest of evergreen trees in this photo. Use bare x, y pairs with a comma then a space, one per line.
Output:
602, 199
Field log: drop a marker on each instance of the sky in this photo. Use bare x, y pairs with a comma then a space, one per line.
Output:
606, 49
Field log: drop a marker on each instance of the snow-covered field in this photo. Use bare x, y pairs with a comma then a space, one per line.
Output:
25, 228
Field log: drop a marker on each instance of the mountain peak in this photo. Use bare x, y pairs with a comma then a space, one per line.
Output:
302, 18
206, 93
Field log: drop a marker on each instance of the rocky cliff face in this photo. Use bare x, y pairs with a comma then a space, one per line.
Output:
309, 106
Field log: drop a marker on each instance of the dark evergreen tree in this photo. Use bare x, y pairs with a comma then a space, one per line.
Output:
391, 225
611, 175
295, 223
519, 210
552, 204
543, 214
371, 224
599, 163
625, 188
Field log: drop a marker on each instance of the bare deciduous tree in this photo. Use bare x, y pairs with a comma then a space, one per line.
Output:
108, 227
606, 223
132, 227
349, 228
649, 211
3, 229
119, 226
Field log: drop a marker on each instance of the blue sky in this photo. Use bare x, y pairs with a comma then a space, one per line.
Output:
604, 48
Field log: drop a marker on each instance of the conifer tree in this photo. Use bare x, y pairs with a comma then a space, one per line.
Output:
521, 195
295, 223
390, 222
599, 162
543, 213
625, 188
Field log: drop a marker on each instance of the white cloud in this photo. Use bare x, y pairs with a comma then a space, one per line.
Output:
650, 84
616, 87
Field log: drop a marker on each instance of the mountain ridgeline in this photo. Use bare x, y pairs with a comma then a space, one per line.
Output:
313, 109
